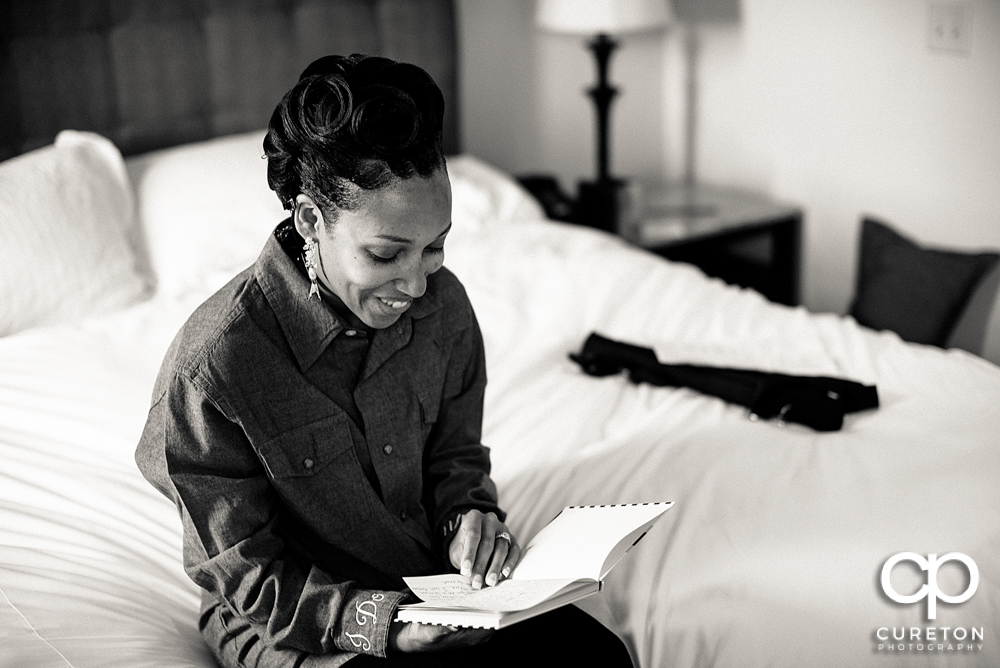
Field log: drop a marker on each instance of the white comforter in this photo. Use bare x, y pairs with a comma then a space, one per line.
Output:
771, 556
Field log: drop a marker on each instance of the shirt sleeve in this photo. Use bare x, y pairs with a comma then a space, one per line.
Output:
201, 459
457, 464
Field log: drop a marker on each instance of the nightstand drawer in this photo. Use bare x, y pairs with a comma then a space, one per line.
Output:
742, 238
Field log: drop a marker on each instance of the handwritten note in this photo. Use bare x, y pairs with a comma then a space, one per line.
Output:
508, 596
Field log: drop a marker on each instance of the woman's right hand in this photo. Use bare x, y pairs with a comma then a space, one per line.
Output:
409, 637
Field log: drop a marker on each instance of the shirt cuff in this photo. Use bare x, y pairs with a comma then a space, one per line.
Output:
363, 627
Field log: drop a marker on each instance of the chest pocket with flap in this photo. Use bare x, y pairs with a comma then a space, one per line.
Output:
315, 470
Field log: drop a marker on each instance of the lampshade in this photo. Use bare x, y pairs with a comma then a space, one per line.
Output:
590, 17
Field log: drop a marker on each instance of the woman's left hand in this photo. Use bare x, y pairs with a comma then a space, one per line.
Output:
478, 550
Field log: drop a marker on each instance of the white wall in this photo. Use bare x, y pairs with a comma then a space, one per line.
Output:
838, 105
498, 70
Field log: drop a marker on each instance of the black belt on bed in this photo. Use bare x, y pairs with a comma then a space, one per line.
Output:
815, 401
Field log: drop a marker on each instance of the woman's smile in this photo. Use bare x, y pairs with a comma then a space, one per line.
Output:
395, 305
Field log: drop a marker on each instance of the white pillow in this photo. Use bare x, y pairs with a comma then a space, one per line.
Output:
205, 208
67, 233
484, 196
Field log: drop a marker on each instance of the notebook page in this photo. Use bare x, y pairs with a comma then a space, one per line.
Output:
576, 543
455, 591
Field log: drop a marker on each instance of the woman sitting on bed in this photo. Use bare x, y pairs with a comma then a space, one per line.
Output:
317, 421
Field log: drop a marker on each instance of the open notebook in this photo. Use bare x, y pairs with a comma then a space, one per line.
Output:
565, 561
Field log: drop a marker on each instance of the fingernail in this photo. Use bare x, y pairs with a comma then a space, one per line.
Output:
477, 582
506, 572
491, 580
466, 568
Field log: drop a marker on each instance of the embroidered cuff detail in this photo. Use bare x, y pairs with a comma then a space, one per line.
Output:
363, 627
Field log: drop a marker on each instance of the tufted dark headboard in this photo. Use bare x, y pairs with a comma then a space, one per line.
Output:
154, 73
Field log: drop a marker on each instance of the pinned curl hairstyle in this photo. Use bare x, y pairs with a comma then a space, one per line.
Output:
353, 123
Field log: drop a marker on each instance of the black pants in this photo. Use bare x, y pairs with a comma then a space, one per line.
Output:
563, 637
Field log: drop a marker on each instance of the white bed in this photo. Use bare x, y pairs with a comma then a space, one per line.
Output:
771, 556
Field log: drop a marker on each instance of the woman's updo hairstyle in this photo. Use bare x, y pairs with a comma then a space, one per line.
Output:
353, 122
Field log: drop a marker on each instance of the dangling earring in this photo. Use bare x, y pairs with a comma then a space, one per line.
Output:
311, 248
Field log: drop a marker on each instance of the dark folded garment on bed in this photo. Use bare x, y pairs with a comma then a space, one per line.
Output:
815, 401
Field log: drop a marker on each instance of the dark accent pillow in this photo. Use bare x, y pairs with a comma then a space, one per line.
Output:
919, 293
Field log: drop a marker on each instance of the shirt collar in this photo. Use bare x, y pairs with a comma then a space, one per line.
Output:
309, 324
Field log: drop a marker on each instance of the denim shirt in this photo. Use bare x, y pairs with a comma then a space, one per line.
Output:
280, 523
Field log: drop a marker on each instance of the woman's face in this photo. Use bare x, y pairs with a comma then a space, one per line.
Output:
377, 257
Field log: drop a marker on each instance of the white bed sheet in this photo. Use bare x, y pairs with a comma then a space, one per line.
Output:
772, 555
769, 558
90, 560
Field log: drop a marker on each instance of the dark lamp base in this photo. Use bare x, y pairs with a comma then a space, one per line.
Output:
612, 205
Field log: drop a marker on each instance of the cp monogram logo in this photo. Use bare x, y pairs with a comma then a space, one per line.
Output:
930, 590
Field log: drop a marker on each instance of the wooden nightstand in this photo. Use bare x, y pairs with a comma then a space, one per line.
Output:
743, 238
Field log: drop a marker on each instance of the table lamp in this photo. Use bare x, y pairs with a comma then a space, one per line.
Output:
600, 202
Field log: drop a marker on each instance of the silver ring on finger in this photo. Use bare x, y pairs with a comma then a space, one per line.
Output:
505, 535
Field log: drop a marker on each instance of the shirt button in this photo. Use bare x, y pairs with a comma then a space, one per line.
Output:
307, 463
402, 515
387, 449
351, 332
